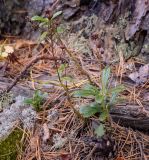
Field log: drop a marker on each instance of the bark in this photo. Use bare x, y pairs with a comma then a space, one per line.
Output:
132, 116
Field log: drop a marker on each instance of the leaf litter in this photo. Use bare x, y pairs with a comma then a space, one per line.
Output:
64, 136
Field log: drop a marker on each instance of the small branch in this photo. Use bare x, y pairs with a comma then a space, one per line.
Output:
31, 63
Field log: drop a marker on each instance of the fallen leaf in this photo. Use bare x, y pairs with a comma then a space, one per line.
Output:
141, 76
23, 43
34, 142
46, 133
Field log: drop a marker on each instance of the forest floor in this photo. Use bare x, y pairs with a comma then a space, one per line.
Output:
51, 71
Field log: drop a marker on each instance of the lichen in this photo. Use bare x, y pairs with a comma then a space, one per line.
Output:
5, 99
16, 113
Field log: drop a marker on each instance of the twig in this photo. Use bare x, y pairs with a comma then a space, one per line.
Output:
92, 152
77, 63
140, 147
31, 63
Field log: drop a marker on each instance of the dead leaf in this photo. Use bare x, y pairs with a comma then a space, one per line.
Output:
46, 133
34, 142
141, 76
23, 43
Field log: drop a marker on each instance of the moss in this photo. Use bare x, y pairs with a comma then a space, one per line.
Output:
8, 147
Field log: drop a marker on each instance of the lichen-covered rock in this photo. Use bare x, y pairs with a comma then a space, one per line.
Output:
14, 114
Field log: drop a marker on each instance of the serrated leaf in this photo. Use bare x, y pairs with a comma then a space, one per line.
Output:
40, 19
56, 14
89, 110
100, 131
105, 78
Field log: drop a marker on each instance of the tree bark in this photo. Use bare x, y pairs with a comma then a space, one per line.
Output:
132, 116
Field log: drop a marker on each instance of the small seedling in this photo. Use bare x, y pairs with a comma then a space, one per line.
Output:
104, 98
47, 24
37, 100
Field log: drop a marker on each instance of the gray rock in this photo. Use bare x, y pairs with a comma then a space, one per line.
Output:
14, 114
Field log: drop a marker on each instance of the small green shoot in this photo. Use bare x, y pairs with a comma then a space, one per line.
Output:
104, 98
47, 24
37, 100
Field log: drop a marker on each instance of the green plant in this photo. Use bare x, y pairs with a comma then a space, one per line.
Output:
37, 100
48, 25
104, 98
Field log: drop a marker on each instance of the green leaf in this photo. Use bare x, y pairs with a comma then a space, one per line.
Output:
117, 89
105, 78
87, 91
43, 36
89, 110
28, 101
40, 19
91, 87
83, 93
45, 24
99, 98
100, 131
114, 93
113, 98
56, 14
103, 116
62, 68
66, 78
60, 30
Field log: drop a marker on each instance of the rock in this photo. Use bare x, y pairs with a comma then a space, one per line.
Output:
14, 114
70, 12
141, 8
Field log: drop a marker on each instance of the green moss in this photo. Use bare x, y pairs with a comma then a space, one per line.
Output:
8, 147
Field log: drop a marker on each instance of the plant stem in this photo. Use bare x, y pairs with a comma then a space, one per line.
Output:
77, 62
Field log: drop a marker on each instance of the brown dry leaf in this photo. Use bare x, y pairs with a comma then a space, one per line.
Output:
141, 76
23, 43
141, 8
46, 133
